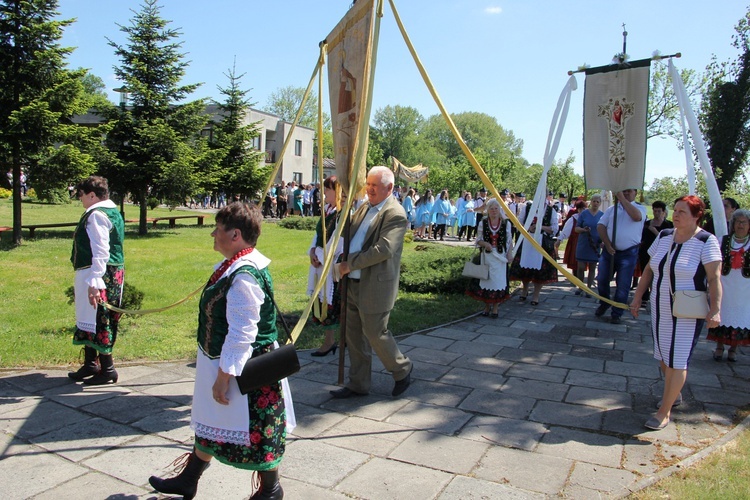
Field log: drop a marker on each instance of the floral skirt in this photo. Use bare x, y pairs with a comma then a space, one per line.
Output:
730, 335
107, 322
267, 434
487, 296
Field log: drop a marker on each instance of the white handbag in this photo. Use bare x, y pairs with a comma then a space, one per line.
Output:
690, 304
480, 271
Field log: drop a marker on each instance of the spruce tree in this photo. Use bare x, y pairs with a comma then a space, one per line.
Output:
155, 141
239, 170
37, 96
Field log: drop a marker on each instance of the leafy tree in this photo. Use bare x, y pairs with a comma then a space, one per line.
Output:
285, 102
238, 170
726, 113
562, 179
37, 94
396, 129
663, 111
154, 142
95, 90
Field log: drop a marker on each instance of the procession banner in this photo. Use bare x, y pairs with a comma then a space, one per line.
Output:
409, 174
350, 54
615, 106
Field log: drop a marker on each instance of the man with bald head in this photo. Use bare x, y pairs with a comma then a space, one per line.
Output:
372, 270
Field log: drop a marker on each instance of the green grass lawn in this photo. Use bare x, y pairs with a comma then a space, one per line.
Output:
36, 321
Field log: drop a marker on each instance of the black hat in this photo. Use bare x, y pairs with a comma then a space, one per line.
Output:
483, 190
520, 195
504, 192
562, 195
550, 193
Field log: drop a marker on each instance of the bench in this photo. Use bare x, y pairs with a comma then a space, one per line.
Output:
5, 228
34, 227
171, 219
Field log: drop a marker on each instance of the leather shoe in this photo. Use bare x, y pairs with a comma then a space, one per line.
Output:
601, 310
615, 320
654, 424
344, 393
403, 384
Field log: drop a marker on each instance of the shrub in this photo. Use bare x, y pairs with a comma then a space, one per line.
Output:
434, 269
5, 193
153, 202
132, 298
297, 222
55, 196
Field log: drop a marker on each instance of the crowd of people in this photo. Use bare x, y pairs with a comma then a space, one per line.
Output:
285, 199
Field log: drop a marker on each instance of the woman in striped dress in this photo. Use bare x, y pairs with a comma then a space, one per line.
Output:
684, 258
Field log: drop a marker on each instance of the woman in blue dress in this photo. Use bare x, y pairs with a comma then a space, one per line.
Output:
408, 205
441, 211
424, 214
588, 248
468, 218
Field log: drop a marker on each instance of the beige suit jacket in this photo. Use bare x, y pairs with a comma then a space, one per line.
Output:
380, 257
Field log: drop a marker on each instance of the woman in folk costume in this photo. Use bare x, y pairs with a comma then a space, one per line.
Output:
99, 265
495, 240
734, 329
236, 321
326, 311
529, 265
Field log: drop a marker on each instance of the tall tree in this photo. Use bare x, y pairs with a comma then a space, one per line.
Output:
36, 92
239, 163
725, 116
663, 110
285, 102
155, 141
396, 129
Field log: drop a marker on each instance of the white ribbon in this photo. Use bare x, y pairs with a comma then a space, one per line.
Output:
714, 196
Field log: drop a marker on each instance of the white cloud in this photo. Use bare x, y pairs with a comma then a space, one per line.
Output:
493, 10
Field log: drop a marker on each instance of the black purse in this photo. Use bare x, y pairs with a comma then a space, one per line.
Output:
269, 367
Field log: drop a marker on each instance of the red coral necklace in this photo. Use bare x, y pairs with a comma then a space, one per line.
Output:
225, 265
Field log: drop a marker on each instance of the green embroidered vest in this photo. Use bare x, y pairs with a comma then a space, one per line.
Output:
81, 255
212, 314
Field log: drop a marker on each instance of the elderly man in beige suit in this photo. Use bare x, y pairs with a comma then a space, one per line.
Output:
372, 268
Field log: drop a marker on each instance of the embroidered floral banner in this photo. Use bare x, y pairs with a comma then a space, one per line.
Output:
349, 66
615, 107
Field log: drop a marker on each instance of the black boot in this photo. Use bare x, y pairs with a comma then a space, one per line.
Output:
90, 366
270, 489
107, 373
186, 484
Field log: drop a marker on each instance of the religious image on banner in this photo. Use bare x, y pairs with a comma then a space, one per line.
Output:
614, 126
349, 65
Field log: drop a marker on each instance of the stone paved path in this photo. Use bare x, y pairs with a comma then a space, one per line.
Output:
542, 402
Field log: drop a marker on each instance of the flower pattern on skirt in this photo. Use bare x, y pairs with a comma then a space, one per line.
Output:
267, 433
107, 322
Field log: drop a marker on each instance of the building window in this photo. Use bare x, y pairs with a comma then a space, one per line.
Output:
297, 148
256, 143
297, 178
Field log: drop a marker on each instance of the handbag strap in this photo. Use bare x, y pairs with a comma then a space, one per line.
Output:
280, 315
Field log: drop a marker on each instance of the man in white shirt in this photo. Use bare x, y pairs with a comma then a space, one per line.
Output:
622, 253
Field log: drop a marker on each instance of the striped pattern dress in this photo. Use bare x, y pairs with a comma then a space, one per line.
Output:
681, 267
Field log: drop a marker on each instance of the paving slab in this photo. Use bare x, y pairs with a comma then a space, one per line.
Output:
320, 463
366, 436
524, 470
438, 451
426, 417
469, 488
34, 471
381, 479
506, 432
581, 446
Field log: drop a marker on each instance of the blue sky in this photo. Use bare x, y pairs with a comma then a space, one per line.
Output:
505, 58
